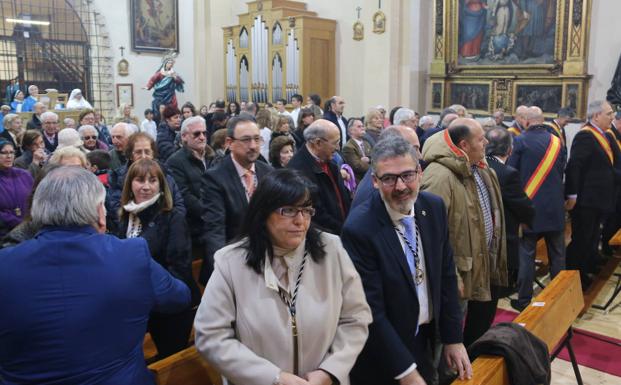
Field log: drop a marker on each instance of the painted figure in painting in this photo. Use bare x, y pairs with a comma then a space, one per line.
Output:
472, 21
536, 16
155, 24
165, 82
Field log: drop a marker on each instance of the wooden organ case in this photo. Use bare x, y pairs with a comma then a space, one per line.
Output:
279, 49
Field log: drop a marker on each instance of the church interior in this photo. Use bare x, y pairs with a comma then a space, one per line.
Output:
426, 55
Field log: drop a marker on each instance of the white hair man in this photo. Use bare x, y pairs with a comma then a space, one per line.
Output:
50, 127
77, 287
120, 133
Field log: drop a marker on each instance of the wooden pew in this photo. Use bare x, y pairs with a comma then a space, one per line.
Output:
185, 368
563, 302
616, 239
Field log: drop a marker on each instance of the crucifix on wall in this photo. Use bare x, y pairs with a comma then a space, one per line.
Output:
123, 66
358, 27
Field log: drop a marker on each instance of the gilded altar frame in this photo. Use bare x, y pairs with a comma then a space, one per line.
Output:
559, 69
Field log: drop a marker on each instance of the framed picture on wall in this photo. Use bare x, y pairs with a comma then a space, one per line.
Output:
124, 94
475, 96
547, 96
154, 25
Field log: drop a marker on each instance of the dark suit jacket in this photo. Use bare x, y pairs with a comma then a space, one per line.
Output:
549, 202
590, 174
50, 147
225, 206
331, 116
328, 214
364, 190
518, 208
83, 315
373, 244
352, 155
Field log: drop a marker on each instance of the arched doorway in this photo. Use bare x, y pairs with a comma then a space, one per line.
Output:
55, 44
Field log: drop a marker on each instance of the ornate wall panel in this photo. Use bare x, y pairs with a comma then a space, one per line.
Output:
491, 54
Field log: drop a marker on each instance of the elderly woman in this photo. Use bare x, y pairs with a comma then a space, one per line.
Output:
77, 101
13, 131
285, 304
15, 187
92, 118
69, 137
373, 124
18, 102
90, 138
147, 211
33, 153
69, 156
281, 151
124, 114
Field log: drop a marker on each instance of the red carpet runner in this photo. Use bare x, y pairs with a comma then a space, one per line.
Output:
592, 350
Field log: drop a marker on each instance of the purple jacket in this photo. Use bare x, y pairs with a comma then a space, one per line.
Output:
15, 187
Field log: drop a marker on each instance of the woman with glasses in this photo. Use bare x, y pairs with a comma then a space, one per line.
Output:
284, 304
15, 187
147, 211
90, 138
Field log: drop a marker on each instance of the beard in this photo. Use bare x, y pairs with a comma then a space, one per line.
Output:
401, 201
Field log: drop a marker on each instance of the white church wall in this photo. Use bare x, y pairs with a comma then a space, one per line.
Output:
116, 15
604, 46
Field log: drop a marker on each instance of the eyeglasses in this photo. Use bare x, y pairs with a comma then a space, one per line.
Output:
390, 180
94, 137
247, 139
7, 153
196, 134
50, 122
292, 212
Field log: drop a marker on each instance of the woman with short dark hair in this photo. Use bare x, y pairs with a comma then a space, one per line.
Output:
281, 151
284, 304
33, 153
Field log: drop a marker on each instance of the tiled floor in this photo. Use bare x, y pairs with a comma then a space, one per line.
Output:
596, 321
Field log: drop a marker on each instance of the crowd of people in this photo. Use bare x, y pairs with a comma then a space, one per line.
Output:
368, 250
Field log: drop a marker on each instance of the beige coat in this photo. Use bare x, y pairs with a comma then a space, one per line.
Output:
243, 327
448, 175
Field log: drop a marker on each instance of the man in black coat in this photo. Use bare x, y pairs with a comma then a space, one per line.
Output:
334, 113
518, 208
230, 186
398, 241
188, 167
591, 178
330, 199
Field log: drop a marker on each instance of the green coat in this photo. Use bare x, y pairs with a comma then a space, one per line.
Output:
448, 175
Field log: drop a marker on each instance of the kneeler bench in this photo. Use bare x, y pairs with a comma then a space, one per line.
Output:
186, 367
559, 305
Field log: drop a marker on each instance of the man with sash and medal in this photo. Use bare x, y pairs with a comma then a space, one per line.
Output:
398, 240
519, 124
539, 157
591, 179
557, 126
613, 222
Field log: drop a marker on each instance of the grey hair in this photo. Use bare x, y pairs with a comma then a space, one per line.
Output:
128, 130
8, 120
316, 130
392, 147
426, 119
68, 152
67, 196
351, 122
595, 107
403, 114
185, 126
390, 132
500, 142
48, 114
87, 127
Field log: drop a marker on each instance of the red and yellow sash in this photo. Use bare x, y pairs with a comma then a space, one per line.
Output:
514, 130
617, 141
557, 129
601, 139
544, 167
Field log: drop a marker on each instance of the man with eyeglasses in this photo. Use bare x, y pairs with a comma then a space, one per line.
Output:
230, 185
49, 123
398, 241
457, 172
314, 159
189, 167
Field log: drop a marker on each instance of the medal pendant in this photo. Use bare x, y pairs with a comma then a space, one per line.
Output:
419, 277
18, 211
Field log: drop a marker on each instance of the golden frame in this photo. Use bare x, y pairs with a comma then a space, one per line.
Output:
565, 57
474, 109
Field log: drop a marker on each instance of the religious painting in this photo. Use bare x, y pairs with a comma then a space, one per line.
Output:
572, 97
155, 25
124, 94
546, 97
473, 96
506, 32
436, 95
